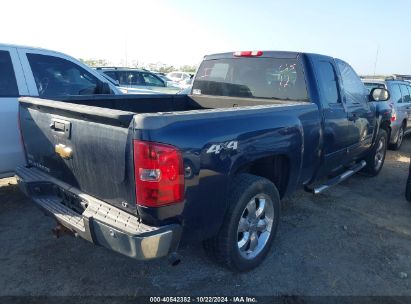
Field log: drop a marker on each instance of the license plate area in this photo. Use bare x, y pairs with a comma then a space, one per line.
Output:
70, 200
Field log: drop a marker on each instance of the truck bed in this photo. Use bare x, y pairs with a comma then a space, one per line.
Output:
100, 131
162, 103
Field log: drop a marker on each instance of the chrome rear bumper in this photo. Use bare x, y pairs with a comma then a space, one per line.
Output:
99, 223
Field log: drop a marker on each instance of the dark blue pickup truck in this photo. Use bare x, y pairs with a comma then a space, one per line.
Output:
139, 174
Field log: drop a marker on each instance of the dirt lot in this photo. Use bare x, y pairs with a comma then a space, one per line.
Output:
354, 239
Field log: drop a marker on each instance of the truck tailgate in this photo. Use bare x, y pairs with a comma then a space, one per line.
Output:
88, 148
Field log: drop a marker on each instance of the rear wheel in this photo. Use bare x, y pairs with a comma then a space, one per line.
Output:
408, 189
250, 224
375, 159
400, 137
408, 186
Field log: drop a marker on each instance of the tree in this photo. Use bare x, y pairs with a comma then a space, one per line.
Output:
188, 68
95, 62
167, 69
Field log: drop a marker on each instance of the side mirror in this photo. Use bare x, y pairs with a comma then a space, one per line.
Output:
379, 94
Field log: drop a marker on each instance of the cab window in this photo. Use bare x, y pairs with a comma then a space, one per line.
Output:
270, 78
354, 89
8, 83
328, 83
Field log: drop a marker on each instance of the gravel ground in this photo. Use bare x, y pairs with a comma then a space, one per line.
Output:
355, 239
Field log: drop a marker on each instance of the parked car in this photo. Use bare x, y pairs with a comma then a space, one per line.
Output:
27, 71
139, 174
186, 83
185, 91
125, 90
169, 82
140, 79
179, 76
400, 101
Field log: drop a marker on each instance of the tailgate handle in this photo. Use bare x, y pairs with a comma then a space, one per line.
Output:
61, 126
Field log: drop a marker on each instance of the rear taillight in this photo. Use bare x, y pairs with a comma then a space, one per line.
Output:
159, 174
393, 113
248, 53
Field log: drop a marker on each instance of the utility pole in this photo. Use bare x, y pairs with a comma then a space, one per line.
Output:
376, 59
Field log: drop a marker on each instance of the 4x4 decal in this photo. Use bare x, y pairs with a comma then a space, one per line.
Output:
217, 148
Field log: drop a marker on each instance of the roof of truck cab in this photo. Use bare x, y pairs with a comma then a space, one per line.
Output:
276, 54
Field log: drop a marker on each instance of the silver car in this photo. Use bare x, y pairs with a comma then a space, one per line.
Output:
400, 101
139, 79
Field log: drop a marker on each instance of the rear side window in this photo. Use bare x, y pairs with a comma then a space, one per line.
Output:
128, 78
328, 82
152, 80
354, 89
271, 78
395, 93
56, 76
111, 74
405, 94
8, 83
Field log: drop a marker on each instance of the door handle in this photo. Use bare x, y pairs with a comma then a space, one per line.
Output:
61, 126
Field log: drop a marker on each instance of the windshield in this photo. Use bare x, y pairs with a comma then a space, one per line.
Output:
372, 85
272, 78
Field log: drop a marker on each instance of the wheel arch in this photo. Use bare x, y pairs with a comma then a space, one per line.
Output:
275, 168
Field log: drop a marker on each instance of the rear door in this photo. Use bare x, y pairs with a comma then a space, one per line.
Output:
361, 114
334, 113
396, 102
12, 84
406, 102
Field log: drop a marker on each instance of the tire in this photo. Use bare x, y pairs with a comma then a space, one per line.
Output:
375, 159
397, 145
251, 223
408, 189
408, 186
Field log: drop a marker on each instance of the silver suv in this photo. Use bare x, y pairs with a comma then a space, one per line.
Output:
400, 101
139, 79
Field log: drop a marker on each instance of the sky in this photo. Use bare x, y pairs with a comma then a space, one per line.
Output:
374, 36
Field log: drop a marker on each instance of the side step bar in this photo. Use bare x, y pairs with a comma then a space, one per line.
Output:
338, 179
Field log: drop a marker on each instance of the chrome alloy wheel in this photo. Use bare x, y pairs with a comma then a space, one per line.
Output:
379, 154
254, 227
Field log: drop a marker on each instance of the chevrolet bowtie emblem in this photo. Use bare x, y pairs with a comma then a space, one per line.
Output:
64, 151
